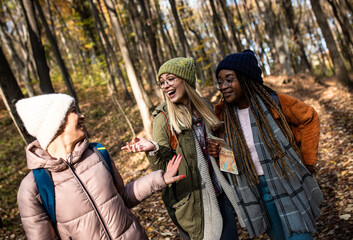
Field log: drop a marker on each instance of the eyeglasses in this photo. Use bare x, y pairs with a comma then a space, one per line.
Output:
225, 83
169, 81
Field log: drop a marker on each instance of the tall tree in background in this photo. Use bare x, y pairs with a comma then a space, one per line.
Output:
181, 34
141, 42
229, 16
82, 8
275, 34
75, 49
293, 25
54, 45
340, 68
136, 88
219, 31
21, 66
37, 46
10, 93
151, 35
109, 53
347, 31
168, 45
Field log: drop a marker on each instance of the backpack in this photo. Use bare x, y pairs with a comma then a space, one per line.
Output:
173, 140
274, 96
45, 184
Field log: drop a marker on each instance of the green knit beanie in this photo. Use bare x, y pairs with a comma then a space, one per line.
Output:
180, 67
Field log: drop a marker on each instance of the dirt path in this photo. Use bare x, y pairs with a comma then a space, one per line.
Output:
334, 170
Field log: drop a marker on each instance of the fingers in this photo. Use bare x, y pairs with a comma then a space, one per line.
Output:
169, 180
134, 147
127, 147
179, 177
172, 169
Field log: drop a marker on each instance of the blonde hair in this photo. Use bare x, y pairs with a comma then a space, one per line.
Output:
181, 116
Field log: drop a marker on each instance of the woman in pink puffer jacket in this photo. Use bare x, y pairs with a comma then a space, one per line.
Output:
88, 205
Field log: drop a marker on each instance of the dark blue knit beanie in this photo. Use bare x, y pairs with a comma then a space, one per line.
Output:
244, 63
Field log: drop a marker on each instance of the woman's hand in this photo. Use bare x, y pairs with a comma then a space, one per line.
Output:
139, 145
213, 148
172, 169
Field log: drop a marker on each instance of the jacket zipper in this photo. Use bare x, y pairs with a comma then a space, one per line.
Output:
89, 198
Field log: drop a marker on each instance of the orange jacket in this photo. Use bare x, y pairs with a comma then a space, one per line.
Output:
302, 119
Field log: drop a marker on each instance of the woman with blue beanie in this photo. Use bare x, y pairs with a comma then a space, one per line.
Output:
274, 138
202, 205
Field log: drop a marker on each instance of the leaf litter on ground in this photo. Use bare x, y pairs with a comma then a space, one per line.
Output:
334, 171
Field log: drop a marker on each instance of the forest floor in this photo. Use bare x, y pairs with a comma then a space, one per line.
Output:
334, 171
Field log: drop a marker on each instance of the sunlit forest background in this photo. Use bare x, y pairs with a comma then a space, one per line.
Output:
106, 54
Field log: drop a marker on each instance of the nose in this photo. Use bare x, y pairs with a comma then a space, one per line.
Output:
80, 115
165, 86
223, 86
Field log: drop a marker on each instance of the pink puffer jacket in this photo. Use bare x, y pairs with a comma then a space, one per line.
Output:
88, 205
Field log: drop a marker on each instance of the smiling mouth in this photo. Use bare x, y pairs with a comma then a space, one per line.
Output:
171, 93
226, 94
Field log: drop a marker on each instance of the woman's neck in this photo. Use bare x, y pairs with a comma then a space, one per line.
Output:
58, 148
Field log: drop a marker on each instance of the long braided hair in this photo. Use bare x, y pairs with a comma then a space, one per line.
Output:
236, 137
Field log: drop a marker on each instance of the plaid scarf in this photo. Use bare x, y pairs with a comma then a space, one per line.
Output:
297, 199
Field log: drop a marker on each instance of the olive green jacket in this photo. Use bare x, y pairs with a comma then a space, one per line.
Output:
183, 199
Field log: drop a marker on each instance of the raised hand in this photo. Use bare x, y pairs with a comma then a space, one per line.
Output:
172, 169
139, 145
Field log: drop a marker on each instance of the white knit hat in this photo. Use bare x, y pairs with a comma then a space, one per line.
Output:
43, 115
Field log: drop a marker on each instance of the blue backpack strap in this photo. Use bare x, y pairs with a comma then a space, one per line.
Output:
104, 156
45, 187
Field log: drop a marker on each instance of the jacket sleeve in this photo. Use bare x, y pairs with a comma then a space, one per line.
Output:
137, 191
35, 220
161, 137
305, 124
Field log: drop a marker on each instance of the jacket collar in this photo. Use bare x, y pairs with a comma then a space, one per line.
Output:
39, 158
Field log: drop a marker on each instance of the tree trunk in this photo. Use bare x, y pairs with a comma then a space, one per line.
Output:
37, 46
109, 52
183, 40
272, 27
230, 22
57, 54
76, 46
86, 21
243, 26
347, 41
169, 46
152, 43
219, 32
144, 111
21, 66
10, 93
340, 68
151, 68
294, 27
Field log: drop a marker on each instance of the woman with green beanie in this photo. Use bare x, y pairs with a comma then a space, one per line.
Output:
275, 139
202, 205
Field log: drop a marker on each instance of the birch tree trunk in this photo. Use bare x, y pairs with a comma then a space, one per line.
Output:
137, 91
